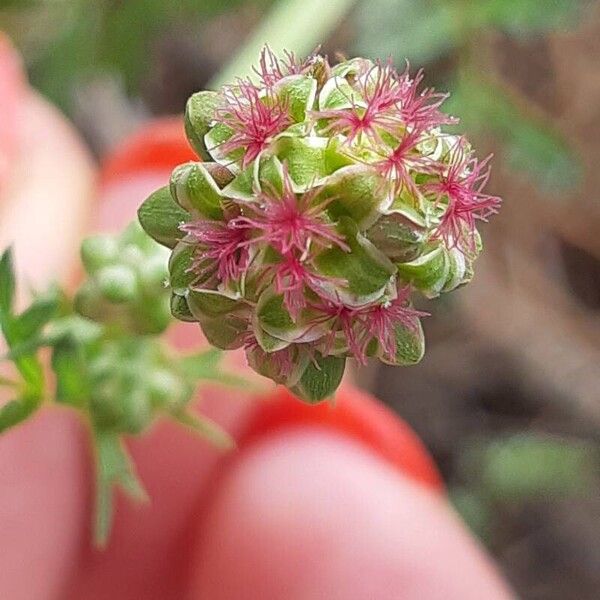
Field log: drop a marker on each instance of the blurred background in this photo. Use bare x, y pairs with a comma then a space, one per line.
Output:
508, 395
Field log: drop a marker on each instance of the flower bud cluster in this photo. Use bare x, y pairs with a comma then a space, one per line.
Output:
326, 197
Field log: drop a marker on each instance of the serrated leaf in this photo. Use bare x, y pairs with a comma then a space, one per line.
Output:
16, 411
70, 369
29, 323
206, 429
7, 287
114, 468
160, 216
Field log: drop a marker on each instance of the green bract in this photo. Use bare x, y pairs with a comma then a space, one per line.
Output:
325, 198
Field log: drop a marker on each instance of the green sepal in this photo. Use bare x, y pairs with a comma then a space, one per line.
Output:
337, 93
398, 238
410, 345
364, 272
212, 304
7, 287
180, 261
274, 319
428, 273
299, 91
180, 309
320, 379
160, 216
196, 191
358, 193
305, 159
199, 114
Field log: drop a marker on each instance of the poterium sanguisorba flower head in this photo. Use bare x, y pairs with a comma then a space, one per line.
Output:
328, 196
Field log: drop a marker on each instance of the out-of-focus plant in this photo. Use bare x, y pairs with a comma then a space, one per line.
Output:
66, 41
106, 357
521, 468
430, 30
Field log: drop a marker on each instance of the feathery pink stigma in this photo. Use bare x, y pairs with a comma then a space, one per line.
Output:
381, 320
462, 185
396, 167
342, 318
382, 96
271, 69
221, 250
289, 221
291, 279
421, 110
254, 119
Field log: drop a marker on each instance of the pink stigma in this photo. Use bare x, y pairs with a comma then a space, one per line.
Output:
221, 249
462, 185
254, 119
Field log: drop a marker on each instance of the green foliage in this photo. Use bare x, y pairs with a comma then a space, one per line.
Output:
428, 30
529, 466
76, 39
531, 145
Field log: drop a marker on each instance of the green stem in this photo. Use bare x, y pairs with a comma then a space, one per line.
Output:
295, 25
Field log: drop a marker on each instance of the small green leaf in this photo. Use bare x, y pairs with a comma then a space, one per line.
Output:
320, 379
7, 287
16, 411
161, 216
114, 468
199, 114
206, 429
70, 369
29, 323
196, 191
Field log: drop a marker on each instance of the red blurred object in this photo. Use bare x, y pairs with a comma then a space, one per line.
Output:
160, 145
356, 415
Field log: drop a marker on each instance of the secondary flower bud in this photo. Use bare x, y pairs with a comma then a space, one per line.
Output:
330, 195
126, 282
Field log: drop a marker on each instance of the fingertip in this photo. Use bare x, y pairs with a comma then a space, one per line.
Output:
311, 514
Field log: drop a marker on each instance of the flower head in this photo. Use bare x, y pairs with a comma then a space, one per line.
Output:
343, 198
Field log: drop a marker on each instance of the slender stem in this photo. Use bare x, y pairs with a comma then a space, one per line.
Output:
295, 25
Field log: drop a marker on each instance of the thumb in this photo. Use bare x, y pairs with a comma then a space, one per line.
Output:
310, 514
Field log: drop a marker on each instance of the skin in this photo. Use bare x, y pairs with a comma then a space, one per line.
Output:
301, 514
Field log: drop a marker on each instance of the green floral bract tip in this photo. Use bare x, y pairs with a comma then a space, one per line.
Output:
327, 197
